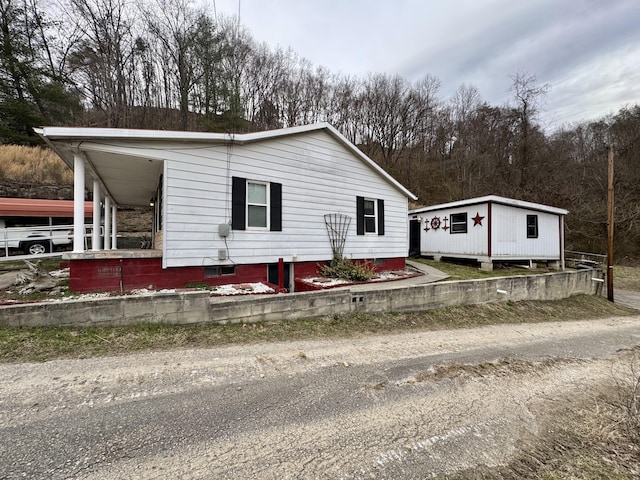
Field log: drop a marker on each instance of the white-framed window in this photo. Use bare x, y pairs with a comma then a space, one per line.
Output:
458, 222
370, 216
257, 205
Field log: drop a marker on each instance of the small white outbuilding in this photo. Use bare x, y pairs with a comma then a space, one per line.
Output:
489, 230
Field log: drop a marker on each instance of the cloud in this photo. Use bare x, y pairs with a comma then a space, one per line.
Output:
583, 48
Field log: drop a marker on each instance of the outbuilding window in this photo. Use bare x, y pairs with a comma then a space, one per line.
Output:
256, 205
532, 226
370, 216
458, 222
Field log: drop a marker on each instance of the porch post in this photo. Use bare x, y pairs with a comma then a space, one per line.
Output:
107, 223
114, 230
78, 202
96, 244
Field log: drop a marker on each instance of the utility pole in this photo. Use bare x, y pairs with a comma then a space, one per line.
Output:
610, 224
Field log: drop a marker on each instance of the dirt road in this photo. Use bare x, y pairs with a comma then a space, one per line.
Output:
398, 406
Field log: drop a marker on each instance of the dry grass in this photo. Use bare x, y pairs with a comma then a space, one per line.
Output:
21, 164
46, 343
586, 436
626, 278
497, 368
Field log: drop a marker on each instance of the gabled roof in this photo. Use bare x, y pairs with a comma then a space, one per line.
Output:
63, 139
491, 199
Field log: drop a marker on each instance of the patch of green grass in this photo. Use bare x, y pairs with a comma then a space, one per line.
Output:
626, 278
49, 264
460, 271
20, 344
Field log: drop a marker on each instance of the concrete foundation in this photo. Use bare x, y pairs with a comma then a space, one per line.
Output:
199, 307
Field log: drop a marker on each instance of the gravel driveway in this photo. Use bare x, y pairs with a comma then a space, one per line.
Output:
397, 406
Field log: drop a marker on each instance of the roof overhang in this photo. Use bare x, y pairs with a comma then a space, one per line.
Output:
129, 175
491, 199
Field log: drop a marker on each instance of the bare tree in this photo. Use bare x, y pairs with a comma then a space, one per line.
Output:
101, 60
176, 26
264, 75
235, 64
463, 151
344, 106
528, 98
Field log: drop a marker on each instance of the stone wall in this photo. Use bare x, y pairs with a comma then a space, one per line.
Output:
28, 190
178, 308
198, 307
551, 286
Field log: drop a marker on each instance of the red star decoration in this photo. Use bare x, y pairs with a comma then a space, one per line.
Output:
477, 220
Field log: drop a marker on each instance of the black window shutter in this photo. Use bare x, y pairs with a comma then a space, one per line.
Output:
360, 215
380, 217
238, 207
276, 206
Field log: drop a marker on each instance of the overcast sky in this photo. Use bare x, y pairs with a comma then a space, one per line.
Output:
588, 51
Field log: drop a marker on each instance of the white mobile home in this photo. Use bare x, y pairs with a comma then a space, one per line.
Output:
488, 230
232, 207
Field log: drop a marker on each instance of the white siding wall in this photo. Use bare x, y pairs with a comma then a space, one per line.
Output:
509, 234
318, 176
474, 242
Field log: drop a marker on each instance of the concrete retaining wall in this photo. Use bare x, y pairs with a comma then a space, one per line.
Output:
184, 307
198, 307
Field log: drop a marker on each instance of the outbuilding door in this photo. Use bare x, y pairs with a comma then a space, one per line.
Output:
414, 238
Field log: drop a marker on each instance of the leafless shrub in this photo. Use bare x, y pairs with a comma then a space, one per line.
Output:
632, 401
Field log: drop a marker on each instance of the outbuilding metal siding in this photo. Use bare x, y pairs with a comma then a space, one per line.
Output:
509, 238
441, 241
499, 234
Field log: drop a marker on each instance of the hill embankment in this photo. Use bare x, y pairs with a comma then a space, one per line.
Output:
34, 172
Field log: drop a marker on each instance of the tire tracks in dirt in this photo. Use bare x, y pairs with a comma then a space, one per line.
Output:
396, 406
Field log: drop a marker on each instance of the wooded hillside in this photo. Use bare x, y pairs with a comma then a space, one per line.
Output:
165, 64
